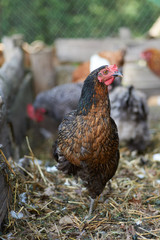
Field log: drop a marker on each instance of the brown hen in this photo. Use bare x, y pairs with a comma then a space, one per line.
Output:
87, 145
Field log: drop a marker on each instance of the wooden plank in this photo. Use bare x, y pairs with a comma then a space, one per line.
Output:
17, 115
11, 76
43, 69
141, 78
4, 196
10, 44
11, 82
79, 50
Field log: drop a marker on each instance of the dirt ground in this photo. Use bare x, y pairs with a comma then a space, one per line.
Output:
47, 204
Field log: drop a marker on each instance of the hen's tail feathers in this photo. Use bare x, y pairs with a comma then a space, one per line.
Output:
130, 88
55, 153
135, 104
129, 95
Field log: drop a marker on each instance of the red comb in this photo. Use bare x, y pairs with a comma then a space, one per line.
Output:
31, 112
113, 68
36, 115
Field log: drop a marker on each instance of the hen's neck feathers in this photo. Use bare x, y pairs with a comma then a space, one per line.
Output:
94, 96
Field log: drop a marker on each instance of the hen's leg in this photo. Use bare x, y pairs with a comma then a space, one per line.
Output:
92, 203
110, 186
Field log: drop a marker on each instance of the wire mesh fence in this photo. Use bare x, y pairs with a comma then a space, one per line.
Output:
50, 19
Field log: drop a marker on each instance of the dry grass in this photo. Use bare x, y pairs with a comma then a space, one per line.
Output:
46, 206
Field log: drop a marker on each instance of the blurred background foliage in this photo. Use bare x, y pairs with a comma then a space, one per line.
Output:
50, 19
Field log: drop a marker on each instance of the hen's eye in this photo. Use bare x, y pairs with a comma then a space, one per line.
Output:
105, 71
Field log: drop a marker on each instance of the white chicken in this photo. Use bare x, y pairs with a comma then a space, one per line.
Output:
97, 61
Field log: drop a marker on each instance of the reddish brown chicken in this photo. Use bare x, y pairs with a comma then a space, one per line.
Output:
152, 57
87, 145
2, 60
102, 58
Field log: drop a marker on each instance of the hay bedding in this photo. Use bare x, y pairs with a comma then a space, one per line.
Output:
47, 205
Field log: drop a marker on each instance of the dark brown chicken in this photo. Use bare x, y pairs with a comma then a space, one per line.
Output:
87, 145
152, 57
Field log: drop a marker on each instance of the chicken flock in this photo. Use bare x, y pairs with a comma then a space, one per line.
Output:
95, 112
128, 106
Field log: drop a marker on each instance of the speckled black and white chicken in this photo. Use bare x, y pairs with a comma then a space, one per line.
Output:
130, 111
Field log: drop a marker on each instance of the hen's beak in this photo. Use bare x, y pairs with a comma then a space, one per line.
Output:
117, 74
